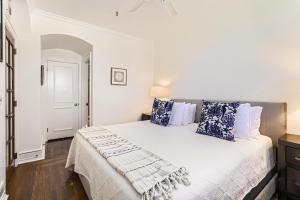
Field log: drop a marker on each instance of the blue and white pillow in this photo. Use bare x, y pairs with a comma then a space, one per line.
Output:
161, 112
217, 119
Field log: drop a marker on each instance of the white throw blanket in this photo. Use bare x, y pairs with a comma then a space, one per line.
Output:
151, 176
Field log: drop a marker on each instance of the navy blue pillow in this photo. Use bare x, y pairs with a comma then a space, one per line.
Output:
161, 112
217, 119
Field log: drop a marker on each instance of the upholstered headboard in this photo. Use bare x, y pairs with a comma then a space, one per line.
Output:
273, 119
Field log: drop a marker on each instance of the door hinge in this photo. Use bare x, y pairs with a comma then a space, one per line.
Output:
14, 51
47, 130
15, 155
15, 103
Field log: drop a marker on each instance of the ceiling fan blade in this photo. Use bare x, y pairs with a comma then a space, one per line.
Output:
170, 6
138, 6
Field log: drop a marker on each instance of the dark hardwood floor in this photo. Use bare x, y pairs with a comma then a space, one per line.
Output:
47, 179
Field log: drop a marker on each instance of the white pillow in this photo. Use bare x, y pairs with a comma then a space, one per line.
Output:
242, 125
247, 122
182, 114
186, 114
177, 114
193, 108
255, 119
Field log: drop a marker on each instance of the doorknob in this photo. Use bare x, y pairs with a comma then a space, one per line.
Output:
76, 104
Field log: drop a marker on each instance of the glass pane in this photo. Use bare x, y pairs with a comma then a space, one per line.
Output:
7, 158
7, 131
12, 154
11, 54
6, 51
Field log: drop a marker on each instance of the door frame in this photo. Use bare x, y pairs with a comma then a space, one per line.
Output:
44, 92
11, 160
88, 61
90, 89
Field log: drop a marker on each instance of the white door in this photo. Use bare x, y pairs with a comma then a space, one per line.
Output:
63, 98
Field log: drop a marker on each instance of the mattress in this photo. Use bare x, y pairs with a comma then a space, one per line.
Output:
219, 169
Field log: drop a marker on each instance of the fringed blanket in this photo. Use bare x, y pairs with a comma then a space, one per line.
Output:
151, 176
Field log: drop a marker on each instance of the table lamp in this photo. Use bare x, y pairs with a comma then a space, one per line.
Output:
160, 92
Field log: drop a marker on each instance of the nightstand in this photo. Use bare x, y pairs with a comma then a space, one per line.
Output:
146, 116
289, 167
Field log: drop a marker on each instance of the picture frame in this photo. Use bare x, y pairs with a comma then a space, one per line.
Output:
118, 76
1, 31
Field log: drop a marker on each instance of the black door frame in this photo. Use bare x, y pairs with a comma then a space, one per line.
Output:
10, 104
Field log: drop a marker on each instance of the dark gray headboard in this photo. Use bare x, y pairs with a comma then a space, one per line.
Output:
273, 119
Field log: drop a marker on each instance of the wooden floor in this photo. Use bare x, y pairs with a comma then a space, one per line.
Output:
47, 179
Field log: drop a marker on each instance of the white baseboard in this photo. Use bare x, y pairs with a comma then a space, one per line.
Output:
31, 156
54, 136
3, 196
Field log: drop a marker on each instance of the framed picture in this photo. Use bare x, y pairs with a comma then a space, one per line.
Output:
1, 32
118, 76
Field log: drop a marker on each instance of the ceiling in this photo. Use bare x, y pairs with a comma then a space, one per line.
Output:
144, 23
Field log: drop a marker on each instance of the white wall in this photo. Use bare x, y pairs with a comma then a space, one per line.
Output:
28, 115
111, 104
234, 50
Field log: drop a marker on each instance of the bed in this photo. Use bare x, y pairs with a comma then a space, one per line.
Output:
245, 169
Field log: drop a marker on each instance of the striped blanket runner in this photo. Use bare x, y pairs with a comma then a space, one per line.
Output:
151, 176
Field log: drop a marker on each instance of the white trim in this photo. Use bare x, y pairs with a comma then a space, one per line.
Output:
43, 13
80, 92
8, 25
10, 28
91, 88
31, 156
41, 151
30, 5
3, 196
63, 129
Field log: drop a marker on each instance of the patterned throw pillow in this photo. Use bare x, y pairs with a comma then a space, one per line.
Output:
161, 112
217, 119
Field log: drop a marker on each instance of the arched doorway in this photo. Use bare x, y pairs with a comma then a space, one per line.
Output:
66, 85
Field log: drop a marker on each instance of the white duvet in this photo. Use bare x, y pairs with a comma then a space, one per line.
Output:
218, 169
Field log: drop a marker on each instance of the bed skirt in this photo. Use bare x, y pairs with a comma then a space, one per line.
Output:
86, 186
265, 194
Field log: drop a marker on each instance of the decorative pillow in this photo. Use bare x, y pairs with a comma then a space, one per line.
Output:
217, 119
161, 112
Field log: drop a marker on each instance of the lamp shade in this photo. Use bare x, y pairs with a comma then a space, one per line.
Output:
159, 92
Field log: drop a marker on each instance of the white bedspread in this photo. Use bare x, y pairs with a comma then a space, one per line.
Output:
218, 169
